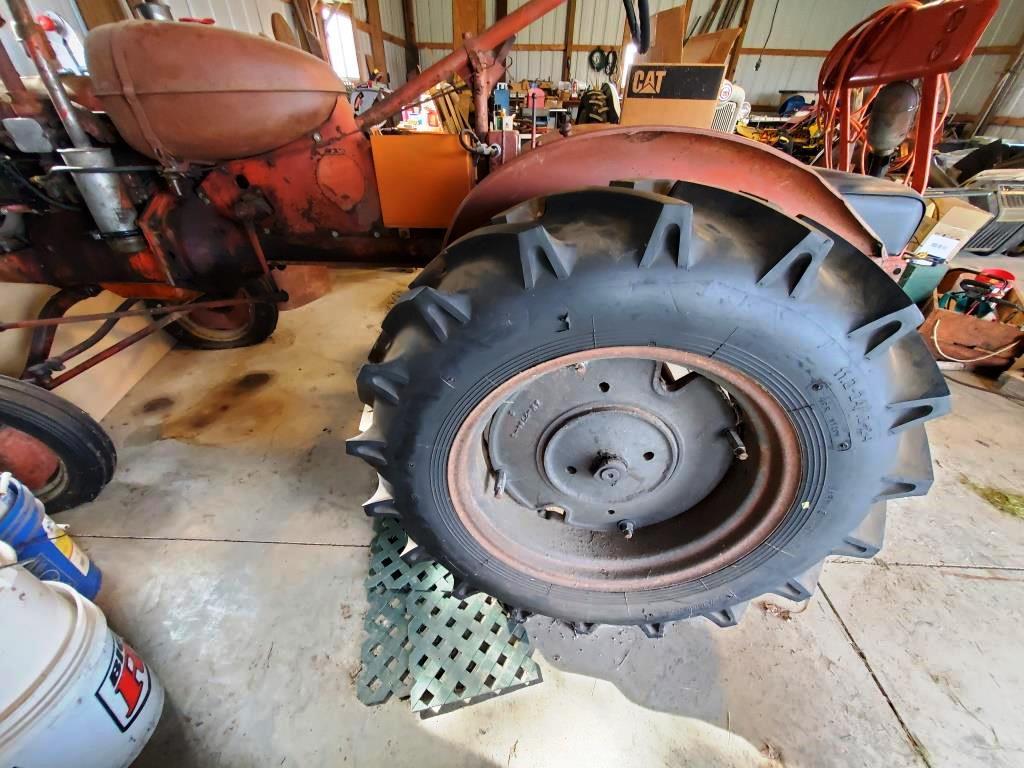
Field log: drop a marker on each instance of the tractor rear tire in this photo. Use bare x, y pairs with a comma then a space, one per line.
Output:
802, 388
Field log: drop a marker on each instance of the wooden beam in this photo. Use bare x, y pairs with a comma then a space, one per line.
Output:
989, 50
808, 52
467, 19
1013, 122
995, 50
570, 33
376, 36
1006, 78
734, 57
538, 47
820, 53
412, 54
500, 9
96, 12
576, 47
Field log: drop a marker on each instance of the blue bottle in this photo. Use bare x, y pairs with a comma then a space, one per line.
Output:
43, 547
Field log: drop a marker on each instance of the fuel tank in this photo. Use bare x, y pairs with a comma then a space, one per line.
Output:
201, 93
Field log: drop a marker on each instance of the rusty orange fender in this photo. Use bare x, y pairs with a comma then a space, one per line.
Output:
665, 152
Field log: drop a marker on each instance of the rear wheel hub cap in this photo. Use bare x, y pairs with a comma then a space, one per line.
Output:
611, 441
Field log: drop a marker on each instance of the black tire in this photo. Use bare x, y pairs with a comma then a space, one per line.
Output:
813, 321
86, 454
258, 325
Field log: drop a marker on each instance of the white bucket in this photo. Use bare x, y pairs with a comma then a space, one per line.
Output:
73, 693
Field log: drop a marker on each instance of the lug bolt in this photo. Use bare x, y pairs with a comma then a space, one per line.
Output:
627, 528
739, 450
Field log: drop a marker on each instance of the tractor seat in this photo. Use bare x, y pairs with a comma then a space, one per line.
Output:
203, 93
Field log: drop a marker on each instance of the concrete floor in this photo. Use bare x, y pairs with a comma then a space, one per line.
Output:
234, 550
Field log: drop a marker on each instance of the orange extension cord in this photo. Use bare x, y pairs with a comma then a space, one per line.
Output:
845, 57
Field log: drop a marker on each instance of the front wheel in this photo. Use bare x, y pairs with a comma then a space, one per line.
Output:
56, 449
242, 325
631, 407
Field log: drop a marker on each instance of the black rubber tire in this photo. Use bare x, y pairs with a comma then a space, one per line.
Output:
815, 322
261, 326
83, 447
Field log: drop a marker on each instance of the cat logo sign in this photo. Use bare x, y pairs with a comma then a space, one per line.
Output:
648, 82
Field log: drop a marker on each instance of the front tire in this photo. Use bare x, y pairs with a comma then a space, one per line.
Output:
812, 345
60, 452
244, 325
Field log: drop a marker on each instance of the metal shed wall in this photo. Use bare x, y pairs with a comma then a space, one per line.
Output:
802, 32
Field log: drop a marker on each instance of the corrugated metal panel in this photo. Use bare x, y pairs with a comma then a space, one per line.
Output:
548, 29
793, 73
1007, 26
430, 56
1014, 106
1006, 132
364, 50
807, 24
359, 9
433, 20
535, 65
973, 82
391, 19
252, 16
244, 17
394, 55
489, 12
598, 22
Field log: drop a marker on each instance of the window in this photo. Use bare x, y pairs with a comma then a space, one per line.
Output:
341, 44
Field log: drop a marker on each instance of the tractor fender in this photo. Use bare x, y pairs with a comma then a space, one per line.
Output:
713, 158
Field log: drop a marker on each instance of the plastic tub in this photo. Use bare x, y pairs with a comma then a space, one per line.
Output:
74, 693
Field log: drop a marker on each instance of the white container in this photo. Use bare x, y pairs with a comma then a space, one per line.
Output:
72, 693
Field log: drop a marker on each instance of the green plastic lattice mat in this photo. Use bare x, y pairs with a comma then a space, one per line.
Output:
439, 651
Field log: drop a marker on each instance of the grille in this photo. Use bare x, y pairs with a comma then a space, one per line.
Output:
993, 236
725, 117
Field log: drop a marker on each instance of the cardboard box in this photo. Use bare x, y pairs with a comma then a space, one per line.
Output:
975, 342
668, 28
949, 222
672, 94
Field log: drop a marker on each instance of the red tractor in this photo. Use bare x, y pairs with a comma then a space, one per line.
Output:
649, 374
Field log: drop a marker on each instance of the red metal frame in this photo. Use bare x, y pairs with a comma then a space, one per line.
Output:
40, 366
925, 43
687, 154
315, 199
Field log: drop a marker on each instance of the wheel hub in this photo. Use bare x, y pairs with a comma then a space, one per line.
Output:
611, 443
597, 455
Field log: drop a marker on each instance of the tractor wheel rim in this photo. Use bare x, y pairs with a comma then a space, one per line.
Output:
622, 486
219, 323
31, 462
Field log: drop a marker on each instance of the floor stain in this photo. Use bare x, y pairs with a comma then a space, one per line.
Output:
1006, 502
233, 411
157, 404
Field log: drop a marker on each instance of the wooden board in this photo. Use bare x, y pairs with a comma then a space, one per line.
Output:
283, 31
712, 48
